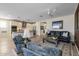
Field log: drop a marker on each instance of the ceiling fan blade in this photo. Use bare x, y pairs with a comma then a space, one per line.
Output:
48, 11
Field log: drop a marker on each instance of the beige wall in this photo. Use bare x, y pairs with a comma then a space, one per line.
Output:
30, 26
68, 24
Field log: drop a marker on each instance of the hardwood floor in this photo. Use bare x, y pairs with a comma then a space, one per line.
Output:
37, 39
5, 49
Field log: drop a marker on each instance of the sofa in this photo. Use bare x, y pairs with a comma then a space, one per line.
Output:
63, 36
34, 49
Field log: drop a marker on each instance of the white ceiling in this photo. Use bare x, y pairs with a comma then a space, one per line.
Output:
32, 11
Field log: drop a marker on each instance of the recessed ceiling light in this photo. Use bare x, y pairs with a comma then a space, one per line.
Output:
41, 16
18, 17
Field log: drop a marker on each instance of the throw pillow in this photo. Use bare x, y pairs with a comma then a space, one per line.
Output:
65, 34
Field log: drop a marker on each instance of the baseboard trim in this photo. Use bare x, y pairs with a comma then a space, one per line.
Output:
77, 49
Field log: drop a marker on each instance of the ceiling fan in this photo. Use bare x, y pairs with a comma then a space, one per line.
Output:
51, 12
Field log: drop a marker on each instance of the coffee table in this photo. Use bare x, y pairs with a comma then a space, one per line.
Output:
53, 40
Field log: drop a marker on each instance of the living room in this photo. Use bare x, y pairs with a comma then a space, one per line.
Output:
53, 28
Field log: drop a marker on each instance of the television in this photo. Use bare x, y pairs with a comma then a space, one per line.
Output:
57, 25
